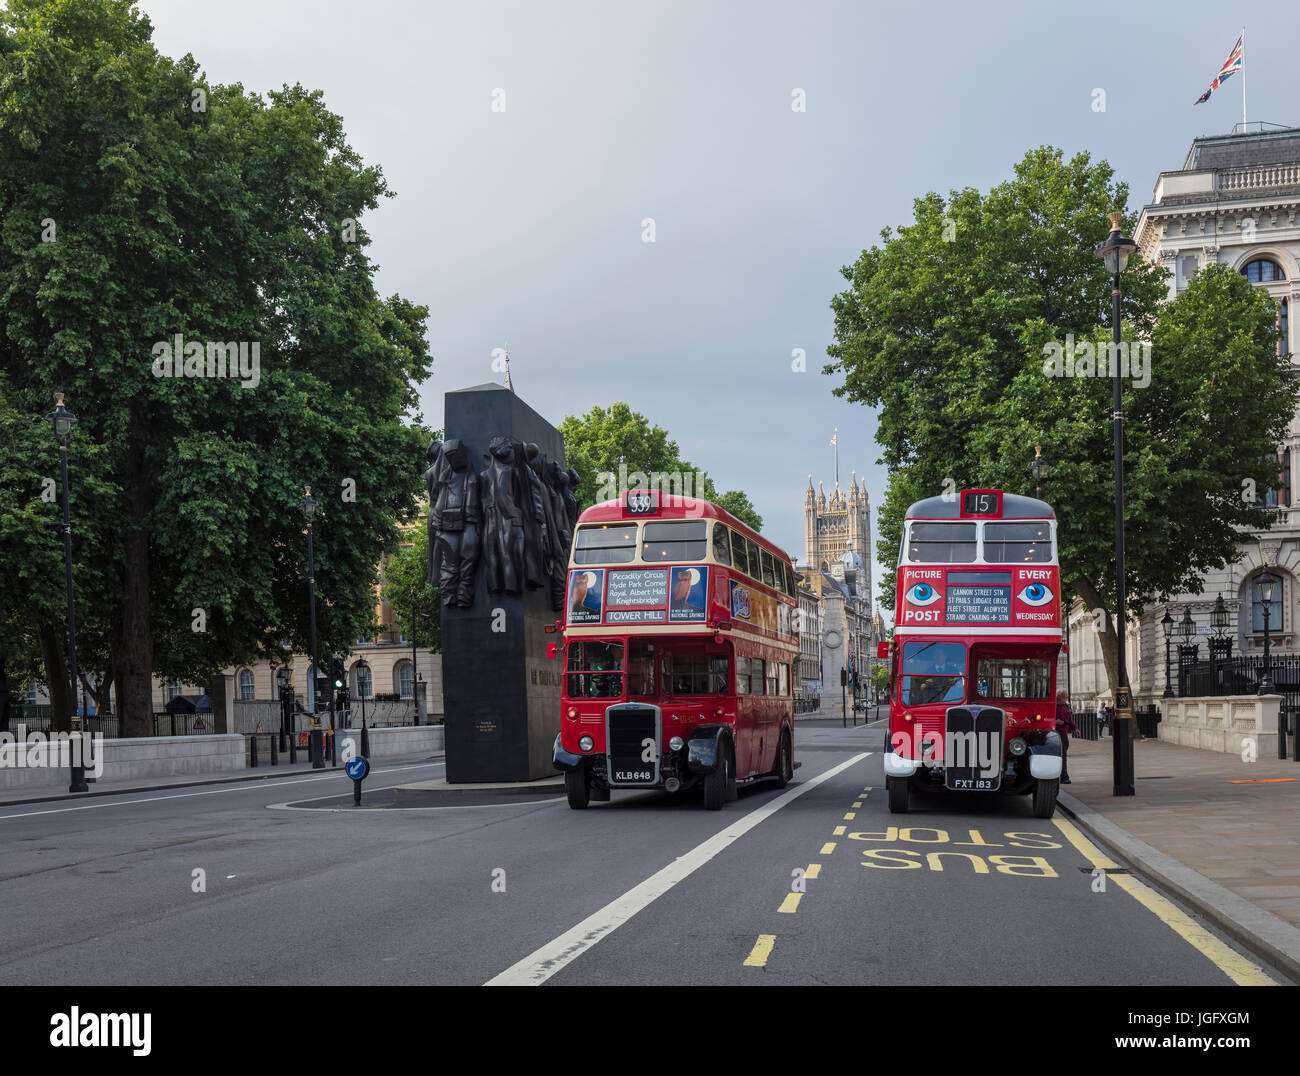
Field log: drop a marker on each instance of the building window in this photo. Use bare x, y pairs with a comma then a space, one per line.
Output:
246, 685
405, 680
1283, 337
1274, 607
174, 690
1284, 478
1187, 266
31, 694
1262, 271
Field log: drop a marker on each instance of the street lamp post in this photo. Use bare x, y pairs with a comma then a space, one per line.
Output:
1267, 583
284, 680
415, 701
1115, 253
63, 420
1167, 624
309, 511
361, 690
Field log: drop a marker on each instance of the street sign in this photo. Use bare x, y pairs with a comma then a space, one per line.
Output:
357, 768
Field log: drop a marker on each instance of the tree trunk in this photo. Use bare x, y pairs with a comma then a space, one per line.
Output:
54, 642
1109, 640
135, 645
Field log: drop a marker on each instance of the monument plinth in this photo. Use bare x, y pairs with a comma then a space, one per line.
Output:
499, 526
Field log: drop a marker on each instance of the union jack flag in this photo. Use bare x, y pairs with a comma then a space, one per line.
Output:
1231, 66
836, 438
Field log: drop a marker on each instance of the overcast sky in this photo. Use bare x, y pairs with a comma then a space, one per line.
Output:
524, 226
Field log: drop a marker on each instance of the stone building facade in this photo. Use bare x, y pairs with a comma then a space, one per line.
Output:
1235, 201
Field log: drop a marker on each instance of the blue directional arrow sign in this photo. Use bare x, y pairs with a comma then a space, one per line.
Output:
357, 768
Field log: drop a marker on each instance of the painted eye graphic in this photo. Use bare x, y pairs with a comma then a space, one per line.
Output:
922, 594
1036, 594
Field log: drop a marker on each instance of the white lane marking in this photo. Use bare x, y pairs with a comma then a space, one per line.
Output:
242, 786
289, 805
539, 966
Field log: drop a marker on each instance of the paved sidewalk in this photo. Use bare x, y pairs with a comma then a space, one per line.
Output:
264, 772
1222, 834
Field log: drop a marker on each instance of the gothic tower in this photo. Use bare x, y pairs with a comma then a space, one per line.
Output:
831, 527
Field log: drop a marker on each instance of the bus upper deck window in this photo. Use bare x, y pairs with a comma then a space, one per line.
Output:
721, 544
680, 540
605, 543
941, 543
1018, 543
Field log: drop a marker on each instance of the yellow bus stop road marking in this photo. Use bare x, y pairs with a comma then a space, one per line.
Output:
827, 848
762, 950
1238, 968
857, 803
849, 816
814, 870
839, 831
791, 903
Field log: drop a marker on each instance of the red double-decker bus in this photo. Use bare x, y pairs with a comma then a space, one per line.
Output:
678, 650
977, 634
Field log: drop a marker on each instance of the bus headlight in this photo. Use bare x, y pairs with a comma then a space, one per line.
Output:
675, 744
1017, 747
586, 743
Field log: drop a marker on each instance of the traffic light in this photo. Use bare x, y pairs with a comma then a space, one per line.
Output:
338, 674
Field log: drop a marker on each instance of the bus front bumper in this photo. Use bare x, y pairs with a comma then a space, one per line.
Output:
898, 766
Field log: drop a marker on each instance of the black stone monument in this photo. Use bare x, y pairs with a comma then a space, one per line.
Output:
501, 694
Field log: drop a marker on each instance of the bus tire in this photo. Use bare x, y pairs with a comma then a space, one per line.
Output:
784, 762
898, 794
1045, 797
577, 786
719, 780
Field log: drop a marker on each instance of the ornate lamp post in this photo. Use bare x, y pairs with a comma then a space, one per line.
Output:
1167, 625
1267, 584
283, 680
1114, 254
309, 512
63, 420
415, 702
1038, 466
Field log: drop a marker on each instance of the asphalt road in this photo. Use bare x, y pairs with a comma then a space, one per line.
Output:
816, 883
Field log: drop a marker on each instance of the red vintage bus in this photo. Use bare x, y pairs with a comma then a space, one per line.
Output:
977, 634
678, 649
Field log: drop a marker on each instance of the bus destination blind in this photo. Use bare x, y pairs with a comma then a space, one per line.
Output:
979, 605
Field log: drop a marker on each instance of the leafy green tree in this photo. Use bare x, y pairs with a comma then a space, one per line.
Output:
408, 572
964, 393
142, 208
618, 440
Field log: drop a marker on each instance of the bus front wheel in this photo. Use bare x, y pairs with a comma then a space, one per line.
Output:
898, 794
577, 786
1045, 797
720, 784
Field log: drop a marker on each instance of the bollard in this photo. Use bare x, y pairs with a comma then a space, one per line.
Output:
252, 751
274, 756
317, 741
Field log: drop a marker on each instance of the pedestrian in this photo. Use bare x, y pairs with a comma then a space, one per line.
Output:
1101, 715
1064, 726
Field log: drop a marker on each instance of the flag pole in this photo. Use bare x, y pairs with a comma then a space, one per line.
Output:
837, 457
1243, 79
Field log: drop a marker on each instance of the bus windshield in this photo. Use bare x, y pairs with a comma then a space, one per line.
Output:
932, 672
595, 670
